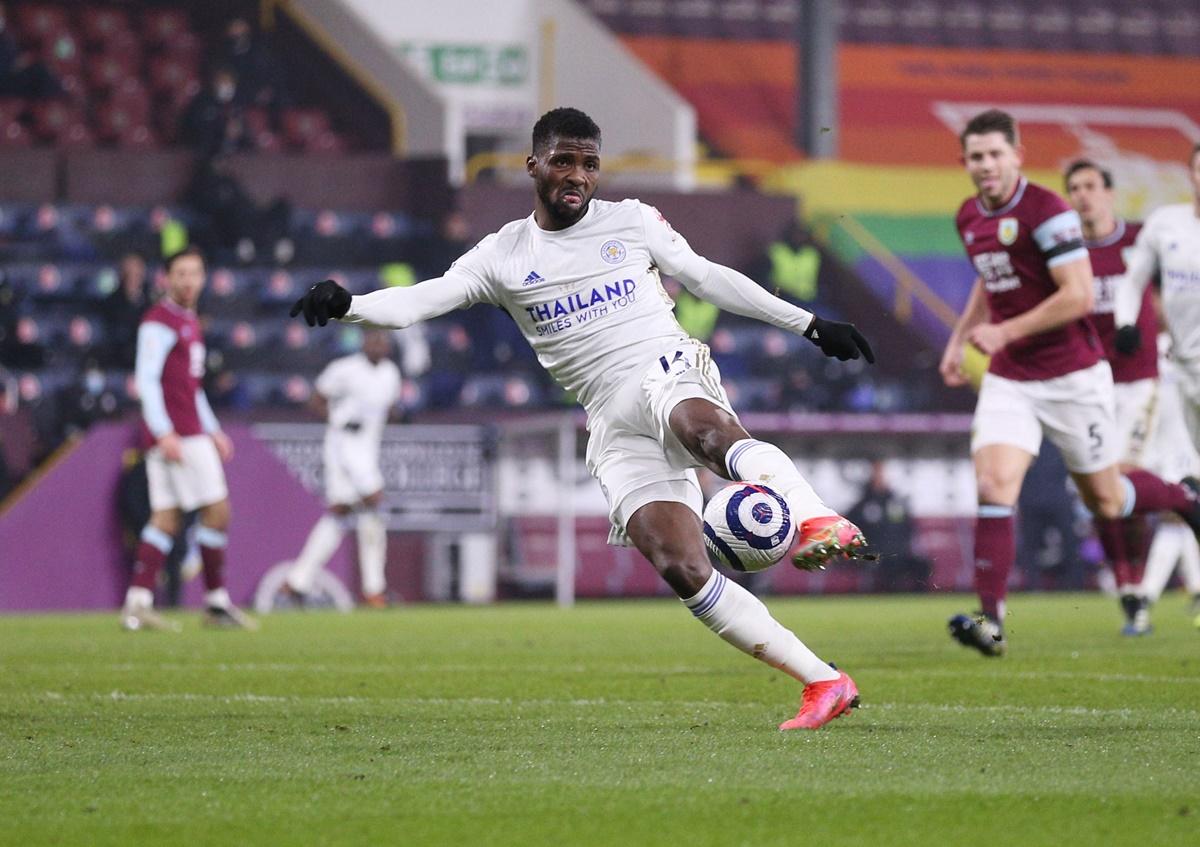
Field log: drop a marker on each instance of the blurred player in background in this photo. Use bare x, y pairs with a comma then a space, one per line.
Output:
183, 465
581, 278
356, 394
1135, 377
1169, 247
1170, 452
1028, 310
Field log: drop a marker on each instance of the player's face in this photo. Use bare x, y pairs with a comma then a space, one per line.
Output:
1089, 197
565, 175
994, 166
377, 346
185, 281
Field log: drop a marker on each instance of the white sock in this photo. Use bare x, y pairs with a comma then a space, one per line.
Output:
740, 618
139, 598
1165, 551
322, 543
372, 552
758, 461
218, 598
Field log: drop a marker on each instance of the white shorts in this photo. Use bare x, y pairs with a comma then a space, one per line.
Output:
1075, 411
1137, 410
1170, 452
351, 467
631, 449
1189, 398
197, 480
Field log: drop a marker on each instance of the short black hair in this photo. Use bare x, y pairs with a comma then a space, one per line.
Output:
993, 120
190, 250
563, 122
1087, 165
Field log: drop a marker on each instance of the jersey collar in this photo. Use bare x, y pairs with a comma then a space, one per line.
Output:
1007, 207
1112, 238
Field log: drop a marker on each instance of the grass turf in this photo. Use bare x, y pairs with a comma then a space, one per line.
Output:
614, 723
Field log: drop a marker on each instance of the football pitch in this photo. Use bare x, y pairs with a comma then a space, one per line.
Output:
613, 723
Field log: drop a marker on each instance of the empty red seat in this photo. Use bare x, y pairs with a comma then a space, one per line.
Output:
167, 72
101, 23
36, 20
52, 117
325, 142
130, 95
301, 125
11, 109
106, 70
137, 136
160, 26
14, 134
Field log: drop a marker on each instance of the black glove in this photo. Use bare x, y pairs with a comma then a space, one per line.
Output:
1128, 340
324, 302
839, 340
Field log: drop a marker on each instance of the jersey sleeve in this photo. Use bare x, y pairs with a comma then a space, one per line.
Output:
467, 282
330, 383
154, 343
474, 269
1141, 265
669, 250
1059, 234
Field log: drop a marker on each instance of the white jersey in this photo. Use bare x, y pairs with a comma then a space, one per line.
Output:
1169, 246
359, 393
588, 298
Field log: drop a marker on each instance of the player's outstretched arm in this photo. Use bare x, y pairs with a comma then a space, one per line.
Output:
394, 308
735, 292
1141, 265
973, 315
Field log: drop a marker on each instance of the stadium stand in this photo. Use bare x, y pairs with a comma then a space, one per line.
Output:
127, 74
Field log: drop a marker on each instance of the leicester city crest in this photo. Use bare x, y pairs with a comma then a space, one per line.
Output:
1007, 233
613, 252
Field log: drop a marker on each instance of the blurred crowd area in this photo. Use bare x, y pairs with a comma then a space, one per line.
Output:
141, 75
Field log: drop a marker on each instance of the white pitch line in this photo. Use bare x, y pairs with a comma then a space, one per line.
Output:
600, 702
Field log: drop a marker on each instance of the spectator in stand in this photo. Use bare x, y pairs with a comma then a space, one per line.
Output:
123, 309
246, 53
213, 123
233, 221
884, 517
21, 74
791, 266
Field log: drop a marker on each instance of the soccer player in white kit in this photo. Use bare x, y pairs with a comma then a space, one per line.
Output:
356, 393
1169, 246
1170, 453
581, 278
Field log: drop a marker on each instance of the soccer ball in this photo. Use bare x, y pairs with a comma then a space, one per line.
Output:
748, 526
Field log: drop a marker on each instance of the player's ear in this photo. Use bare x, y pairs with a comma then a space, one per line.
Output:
1020, 151
530, 164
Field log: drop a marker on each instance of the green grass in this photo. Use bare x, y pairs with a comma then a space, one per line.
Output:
615, 723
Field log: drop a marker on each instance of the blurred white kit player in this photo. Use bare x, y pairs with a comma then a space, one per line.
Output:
356, 392
1170, 454
1169, 246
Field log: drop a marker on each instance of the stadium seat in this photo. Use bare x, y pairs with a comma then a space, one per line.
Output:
964, 22
920, 22
1137, 31
1008, 25
1181, 28
160, 26
1095, 26
106, 70
12, 109
300, 126
102, 24
1051, 26
38, 20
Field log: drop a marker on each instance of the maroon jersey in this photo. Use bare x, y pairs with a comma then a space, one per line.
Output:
1108, 266
1013, 249
175, 339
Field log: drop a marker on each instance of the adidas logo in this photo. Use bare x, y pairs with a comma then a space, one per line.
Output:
533, 279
